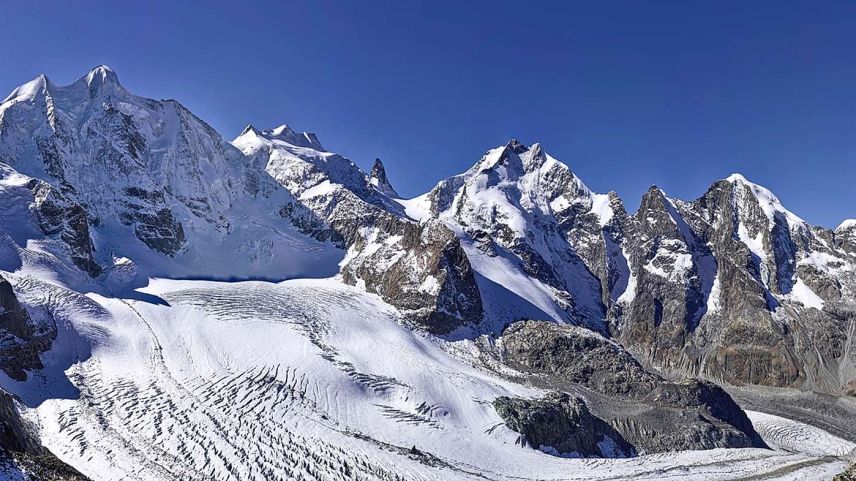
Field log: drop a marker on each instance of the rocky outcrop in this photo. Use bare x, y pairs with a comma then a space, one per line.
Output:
22, 455
153, 222
21, 340
13, 317
561, 424
651, 413
425, 273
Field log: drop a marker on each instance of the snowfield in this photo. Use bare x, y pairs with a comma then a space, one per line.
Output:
311, 379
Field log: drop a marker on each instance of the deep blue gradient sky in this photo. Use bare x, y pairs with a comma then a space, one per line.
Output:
676, 94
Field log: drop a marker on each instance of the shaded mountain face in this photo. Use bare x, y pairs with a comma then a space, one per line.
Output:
22, 455
22, 337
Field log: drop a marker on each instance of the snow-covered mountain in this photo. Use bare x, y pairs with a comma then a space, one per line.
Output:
504, 321
117, 176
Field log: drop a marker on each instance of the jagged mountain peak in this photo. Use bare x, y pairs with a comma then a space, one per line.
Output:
654, 200
249, 129
515, 157
654, 189
737, 177
284, 133
516, 146
300, 139
656, 195
516, 160
101, 80
767, 200
302, 166
379, 179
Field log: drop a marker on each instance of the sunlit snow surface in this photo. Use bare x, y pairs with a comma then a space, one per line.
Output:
311, 379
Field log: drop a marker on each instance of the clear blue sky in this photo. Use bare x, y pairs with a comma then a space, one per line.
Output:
631, 94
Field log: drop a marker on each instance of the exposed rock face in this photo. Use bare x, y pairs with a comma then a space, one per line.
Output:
13, 317
428, 276
21, 452
21, 338
673, 271
562, 424
844, 236
58, 215
649, 412
420, 268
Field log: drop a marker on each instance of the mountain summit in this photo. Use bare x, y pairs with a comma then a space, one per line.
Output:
380, 181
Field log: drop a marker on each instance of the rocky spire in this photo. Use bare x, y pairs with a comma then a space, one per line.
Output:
378, 179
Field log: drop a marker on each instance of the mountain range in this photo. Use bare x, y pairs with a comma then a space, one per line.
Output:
547, 315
